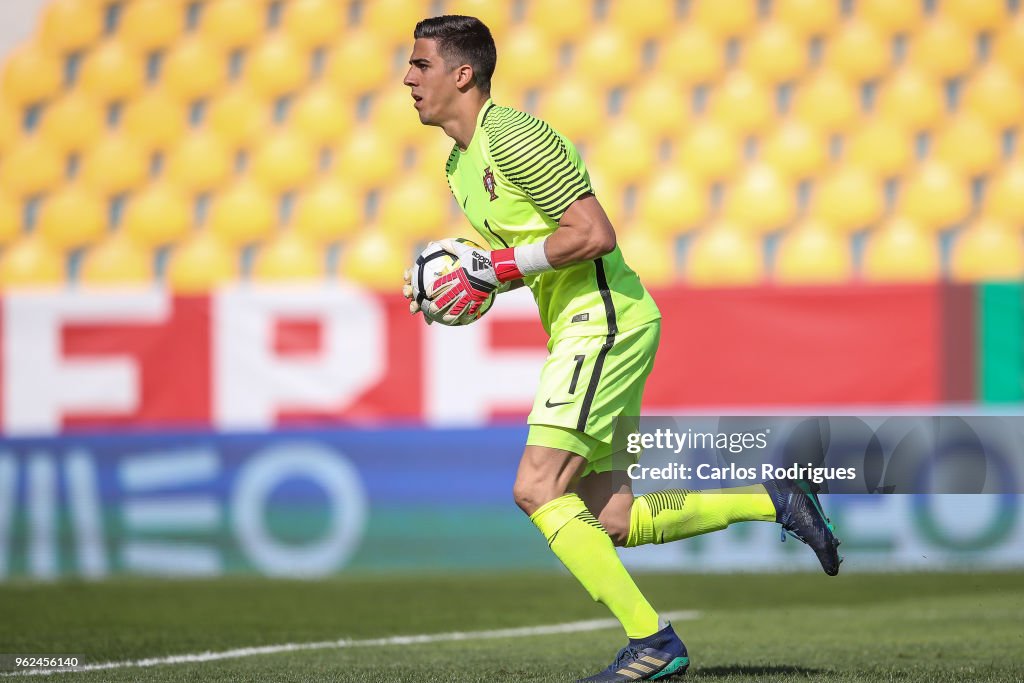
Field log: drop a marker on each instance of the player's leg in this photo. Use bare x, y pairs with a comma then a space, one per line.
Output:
544, 489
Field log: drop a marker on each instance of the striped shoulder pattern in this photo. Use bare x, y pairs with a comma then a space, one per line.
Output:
535, 158
449, 167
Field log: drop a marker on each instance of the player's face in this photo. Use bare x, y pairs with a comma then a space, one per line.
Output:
432, 83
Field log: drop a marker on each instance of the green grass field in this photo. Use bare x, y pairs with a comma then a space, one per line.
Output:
885, 627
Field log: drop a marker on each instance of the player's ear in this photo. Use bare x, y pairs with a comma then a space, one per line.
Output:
463, 76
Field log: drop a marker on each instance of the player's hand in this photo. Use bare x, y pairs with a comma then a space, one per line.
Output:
414, 306
467, 289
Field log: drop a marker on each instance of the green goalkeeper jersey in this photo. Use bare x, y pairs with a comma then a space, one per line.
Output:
514, 182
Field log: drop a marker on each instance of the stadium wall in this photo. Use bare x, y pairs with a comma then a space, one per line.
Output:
261, 430
304, 503
258, 359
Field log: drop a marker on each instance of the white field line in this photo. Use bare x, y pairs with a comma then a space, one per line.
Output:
421, 639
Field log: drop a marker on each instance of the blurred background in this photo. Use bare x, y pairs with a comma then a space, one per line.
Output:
206, 205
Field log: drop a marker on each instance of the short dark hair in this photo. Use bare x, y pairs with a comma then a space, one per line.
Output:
462, 40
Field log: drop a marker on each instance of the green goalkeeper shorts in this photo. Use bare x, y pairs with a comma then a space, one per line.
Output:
585, 384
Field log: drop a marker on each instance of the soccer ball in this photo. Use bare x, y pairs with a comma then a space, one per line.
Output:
432, 263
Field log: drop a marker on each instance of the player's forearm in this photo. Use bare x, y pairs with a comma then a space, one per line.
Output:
584, 233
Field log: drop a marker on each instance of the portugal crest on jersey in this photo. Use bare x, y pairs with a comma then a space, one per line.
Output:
489, 183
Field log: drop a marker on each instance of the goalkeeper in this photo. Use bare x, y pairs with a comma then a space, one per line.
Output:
527, 193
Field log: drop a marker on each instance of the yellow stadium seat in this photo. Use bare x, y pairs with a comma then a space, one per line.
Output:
73, 122
70, 25
807, 17
277, 66
608, 57
73, 217
827, 101
760, 200
1004, 196
797, 149
233, 24
157, 215
611, 195
976, 15
811, 253
994, 93
194, 68
10, 127
653, 257
935, 196
942, 48
312, 23
243, 213
775, 53
911, 98
859, 51
284, 161
1008, 46
367, 158
149, 25
724, 255
968, 144
358, 64
692, 55
327, 211
238, 117
655, 20
200, 264
987, 251
891, 17
288, 258
900, 251
726, 18
849, 198
529, 59
561, 21
881, 146
391, 22
659, 104
30, 263
393, 111
113, 71
578, 110
115, 164
201, 162
496, 15
625, 153
11, 219
710, 150
375, 260
30, 75
155, 120
30, 166
322, 115
742, 104
672, 202
116, 262
414, 207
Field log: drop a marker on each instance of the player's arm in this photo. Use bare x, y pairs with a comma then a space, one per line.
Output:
584, 233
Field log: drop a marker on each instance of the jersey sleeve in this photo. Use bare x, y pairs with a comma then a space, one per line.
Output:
536, 159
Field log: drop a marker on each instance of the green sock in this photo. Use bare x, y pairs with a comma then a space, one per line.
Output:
666, 516
580, 542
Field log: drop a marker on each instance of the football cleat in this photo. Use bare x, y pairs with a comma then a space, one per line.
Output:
656, 657
798, 510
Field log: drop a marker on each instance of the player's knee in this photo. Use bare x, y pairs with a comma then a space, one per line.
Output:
526, 497
615, 526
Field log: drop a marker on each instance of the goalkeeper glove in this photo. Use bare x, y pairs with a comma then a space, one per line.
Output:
483, 273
